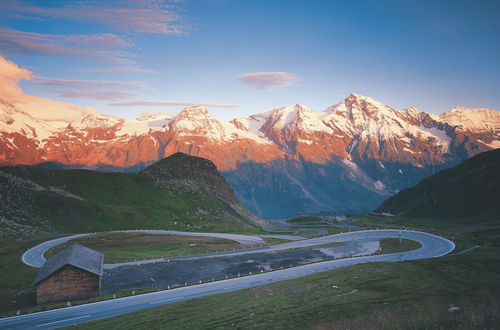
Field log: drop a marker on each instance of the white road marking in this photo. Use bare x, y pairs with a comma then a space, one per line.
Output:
71, 319
170, 299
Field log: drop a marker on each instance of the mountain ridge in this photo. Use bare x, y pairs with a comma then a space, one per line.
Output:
468, 190
37, 200
371, 145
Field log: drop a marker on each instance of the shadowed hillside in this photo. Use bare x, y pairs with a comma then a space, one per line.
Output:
180, 192
469, 190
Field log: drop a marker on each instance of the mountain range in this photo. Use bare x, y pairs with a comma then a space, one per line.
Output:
281, 163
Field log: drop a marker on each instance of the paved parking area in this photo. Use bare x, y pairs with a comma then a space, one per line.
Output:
192, 271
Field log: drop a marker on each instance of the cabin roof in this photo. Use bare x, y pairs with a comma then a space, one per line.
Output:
75, 255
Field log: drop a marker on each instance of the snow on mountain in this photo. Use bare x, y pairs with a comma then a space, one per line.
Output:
13, 120
144, 125
484, 123
359, 127
281, 162
93, 121
474, 120
196, 121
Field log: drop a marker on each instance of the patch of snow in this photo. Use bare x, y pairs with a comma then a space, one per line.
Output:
11, 141
379, 185
437, 133
353, 145
408, 150
309, 142
95, 121
494, 144
144, 125
474, 120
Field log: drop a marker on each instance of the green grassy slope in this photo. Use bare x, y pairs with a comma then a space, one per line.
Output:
34, 200
469, 190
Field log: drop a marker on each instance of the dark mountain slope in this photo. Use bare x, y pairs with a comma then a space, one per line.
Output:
203, 172
179, 193
469, 190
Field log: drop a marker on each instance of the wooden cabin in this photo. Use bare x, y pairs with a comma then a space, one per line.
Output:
72, 274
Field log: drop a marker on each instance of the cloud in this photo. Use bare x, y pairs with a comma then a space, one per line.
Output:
173, 103
92, 89
88, 47
38, 107
152, 16
106, 40
117, 69
267, 80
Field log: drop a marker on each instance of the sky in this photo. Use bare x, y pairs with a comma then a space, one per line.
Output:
62, 59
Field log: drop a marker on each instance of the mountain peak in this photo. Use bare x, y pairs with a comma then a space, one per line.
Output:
361, 100
197, 121
474, 120
199, 110
95, 121
356, 107
188, 167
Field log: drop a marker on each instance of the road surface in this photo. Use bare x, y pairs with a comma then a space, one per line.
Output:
432, 246
34, 256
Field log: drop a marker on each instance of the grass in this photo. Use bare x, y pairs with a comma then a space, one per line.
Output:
112, 201
16, 291
306, 219
272, 241
393, 245
407, 295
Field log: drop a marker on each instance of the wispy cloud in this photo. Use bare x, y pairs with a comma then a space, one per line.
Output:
141, 16
106, 40
117, 69
173, 103
77, 46
70, 83
267, 80
92, 89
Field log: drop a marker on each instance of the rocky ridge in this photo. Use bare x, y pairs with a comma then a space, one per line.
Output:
358, 144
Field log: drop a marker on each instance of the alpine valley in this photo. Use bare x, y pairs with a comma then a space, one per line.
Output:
281, 163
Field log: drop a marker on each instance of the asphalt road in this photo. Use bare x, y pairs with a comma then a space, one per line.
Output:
432, 246
34, 256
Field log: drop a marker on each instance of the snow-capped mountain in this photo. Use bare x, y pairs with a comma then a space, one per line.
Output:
281, 162
484, 123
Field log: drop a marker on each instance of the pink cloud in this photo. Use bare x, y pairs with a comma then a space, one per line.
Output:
70, 83
153, 16
38, 107
105, 40
267, 80
21, 42
174, 103
118, 69
92, 89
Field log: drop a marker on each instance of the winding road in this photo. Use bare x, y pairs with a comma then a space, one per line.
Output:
432, 246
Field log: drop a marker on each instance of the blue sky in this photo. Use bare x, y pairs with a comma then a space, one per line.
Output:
242, 57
